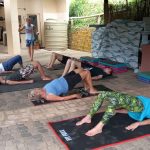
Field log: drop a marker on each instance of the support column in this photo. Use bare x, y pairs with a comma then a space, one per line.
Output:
11, 21
106, 12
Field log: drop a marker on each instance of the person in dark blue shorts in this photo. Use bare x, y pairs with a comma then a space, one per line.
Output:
22, 75
30, 32
8, 65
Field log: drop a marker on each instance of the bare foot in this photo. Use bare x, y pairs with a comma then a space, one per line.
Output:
93, 91
93, 132
48, 67
86, 119
96, 130
46, 78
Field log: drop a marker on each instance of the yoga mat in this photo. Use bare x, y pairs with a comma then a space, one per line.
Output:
19, 87
111, 63
114, 132
38, 83
145, 75
56, 67
5, 74
75, 90
108, 77
143, 79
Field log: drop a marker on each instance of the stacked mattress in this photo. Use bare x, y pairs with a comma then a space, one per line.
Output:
117, 67
119, 41
144, 77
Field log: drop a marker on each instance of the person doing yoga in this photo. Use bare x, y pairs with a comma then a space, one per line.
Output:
55, 56
8, 65
54, 89
96, 73
138, 108
22, 75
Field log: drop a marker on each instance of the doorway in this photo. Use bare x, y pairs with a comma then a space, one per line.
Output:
36, 22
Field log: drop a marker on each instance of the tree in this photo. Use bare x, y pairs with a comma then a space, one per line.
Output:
77, 8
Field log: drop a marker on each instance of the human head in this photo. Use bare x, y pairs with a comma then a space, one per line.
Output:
35, 94
28, 20
108, 71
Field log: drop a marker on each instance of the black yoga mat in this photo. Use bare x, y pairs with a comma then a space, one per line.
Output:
108, 77
114, 132
75, 90
38, 83
56, 67
5, 74
19, 87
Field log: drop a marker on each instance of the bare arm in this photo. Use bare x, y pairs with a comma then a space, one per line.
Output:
11, 82
51, 97
21, 28
133, 126
35, 30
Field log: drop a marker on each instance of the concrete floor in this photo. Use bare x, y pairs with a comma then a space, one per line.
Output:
24, 126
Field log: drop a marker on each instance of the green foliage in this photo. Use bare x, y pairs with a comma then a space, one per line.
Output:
80, 8
129, 9
84, 8
77, 8
135, 9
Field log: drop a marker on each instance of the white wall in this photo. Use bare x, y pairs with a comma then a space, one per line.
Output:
61, 9
55, 9
49, 9
30, 7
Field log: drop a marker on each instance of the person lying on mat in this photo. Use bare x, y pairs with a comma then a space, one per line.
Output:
54, 89
96, 73
8, 65
54, 56
22, 75
137, 108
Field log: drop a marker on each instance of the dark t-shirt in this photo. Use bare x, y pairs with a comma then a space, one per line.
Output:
16, 76
93, 70
21, 74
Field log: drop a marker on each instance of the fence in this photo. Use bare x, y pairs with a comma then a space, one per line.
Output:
80, 37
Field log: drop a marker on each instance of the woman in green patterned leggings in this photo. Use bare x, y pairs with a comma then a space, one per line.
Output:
137, 107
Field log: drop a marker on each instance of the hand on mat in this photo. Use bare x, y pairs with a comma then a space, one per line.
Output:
78, 96
84, 93
133, 126
39, 101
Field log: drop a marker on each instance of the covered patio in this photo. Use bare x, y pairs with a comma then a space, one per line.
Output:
24, 126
